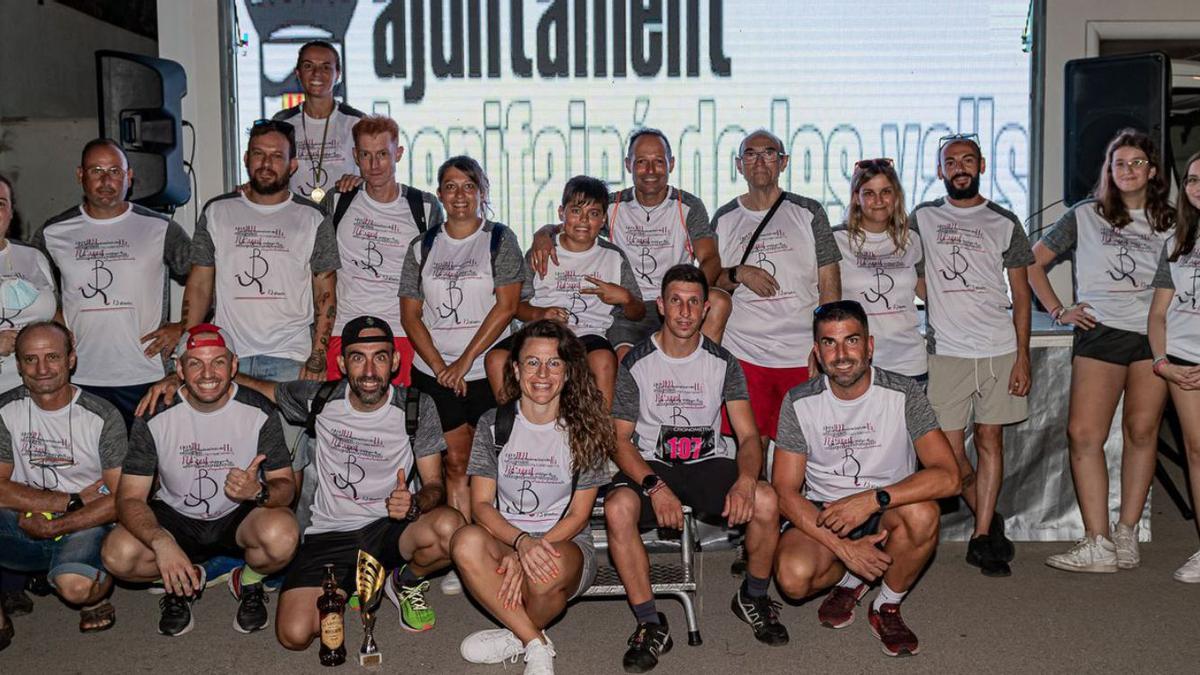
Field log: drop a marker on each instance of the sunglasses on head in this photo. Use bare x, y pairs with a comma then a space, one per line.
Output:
878, 163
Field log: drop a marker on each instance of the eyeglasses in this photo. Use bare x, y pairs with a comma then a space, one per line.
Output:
1132, 165
878, 163
768, 156
99, 172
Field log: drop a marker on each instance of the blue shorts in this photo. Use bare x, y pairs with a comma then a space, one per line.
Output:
76, 553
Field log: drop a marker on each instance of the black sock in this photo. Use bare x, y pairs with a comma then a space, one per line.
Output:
753, 587
645, 612
407, 577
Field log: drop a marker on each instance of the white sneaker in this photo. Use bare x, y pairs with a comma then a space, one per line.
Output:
1189, 573
539, 658
451, 584
1125, 538
1095, 554
491, 646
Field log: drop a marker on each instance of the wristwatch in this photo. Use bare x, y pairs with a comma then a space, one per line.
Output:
263, 496
733, 274
883, 499
74, 502
650, 482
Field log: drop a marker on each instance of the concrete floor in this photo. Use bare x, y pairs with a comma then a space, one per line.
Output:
1037, 620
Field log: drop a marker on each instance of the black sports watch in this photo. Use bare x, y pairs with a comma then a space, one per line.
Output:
74, 502
733, 274
883, 498
650, 482
263, 496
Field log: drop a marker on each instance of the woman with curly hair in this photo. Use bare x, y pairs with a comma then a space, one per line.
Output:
536, 464
1116, 239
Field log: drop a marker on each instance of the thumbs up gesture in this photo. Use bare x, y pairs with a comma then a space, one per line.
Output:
401, 500
242, 485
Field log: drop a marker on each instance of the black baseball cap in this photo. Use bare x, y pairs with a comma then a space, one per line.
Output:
352, 331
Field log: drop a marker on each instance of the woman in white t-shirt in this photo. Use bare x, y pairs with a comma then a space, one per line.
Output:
883, 267
26, 289
1116, 239
530, 550
1174, 329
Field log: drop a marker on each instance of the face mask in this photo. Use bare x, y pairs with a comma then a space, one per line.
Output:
17, 294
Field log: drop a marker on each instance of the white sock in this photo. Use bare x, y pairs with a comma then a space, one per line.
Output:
887, 597
850, 581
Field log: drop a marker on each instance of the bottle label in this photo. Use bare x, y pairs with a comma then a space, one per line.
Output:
332, 630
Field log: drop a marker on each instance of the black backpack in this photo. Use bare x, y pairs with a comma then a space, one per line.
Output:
412, 411
506, 415
414, 197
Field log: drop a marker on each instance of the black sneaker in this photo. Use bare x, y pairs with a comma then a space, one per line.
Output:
176, 616
980, 553
16, 603
1002, 546
762, 614
646, 644
252, 609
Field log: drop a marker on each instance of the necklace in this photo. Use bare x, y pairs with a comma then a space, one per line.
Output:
318, 193
650, 210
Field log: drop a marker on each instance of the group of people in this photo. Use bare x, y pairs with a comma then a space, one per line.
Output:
453, 403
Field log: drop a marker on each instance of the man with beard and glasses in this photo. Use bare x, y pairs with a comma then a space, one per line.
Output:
113, 261
270, 258
224, 485
855, 504
975, 251
365, 464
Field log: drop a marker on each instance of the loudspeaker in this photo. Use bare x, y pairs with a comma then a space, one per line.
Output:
140, 108
1103, 96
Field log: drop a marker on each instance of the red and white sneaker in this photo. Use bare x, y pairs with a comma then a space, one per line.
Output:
837, 611
887, 625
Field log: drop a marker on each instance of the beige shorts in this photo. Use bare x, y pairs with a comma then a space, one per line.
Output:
960, 386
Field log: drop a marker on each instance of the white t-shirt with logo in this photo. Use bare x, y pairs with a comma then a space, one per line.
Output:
535, 479
192, 451
458, 286
1183, 314
968, 252
265, 258
657, 238
776, 331
673, 401
113, 278
358, 454
335, 159
587, 314
857, 445
63, 450
1114, 267
18, 261
884, 279
372, 240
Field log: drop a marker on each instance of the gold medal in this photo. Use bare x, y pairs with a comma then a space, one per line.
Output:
318, 195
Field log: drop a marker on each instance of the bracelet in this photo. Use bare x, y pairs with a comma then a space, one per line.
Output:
660, 485
1056, 312
1062, 310
1159, 362
517, 539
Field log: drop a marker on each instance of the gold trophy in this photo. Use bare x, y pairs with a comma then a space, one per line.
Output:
370, 580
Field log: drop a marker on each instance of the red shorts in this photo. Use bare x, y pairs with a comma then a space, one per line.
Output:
767, 387
403, 346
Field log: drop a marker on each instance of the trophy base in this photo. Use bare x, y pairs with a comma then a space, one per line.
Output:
370, 660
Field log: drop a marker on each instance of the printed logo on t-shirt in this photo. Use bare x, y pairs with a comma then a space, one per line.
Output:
851, 441
204, 462
101, 253
453, 274
355, 449
570, 282
677, 399
376, 237
647, 242
959, 239
251, 242
772, 245
1122, 265
1187, 299
530, 471
883, 283
46, 456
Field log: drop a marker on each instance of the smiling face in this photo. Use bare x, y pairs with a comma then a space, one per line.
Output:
844, 350
105, 177
651, 167
582, 221
540, 371
959, 167
761, 162
207, 373
369, 366
683, 307
1191, 184
269, 163
45, 360
460, 195
877, 200
317, 71
1131, 170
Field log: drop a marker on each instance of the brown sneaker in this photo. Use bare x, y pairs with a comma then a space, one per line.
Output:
887, 625
837, 611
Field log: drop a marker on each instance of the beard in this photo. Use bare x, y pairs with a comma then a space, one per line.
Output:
969, 192
368, 397
276, 186
849, 379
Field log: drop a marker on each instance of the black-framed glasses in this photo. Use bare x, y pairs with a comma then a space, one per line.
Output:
877, 164
768, 155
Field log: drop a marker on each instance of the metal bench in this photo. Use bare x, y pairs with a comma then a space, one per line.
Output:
674, 579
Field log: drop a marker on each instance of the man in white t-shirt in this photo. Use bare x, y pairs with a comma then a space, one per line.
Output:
60, 461
113, 260
325, 144
782, 260
264, 254
975, 251
224, 485
667, 414
856, 505
374, 223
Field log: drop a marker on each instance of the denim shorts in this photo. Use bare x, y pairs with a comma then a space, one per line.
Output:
76, 553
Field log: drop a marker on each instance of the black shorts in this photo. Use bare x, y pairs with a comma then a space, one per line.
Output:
626, 332
590, 343
340, 549
871, 526
454, 410
1111, 345
202, 539
702, 486
1175, 360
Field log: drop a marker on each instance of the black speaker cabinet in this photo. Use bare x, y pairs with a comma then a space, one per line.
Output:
1103, 96
140, 108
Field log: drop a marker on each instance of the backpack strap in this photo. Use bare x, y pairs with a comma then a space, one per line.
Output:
506, 415
427, 246
318, 404
343, 205
498, 231
416, 203
412, 414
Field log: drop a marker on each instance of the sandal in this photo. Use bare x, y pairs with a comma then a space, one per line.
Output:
98, 618
6, 634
